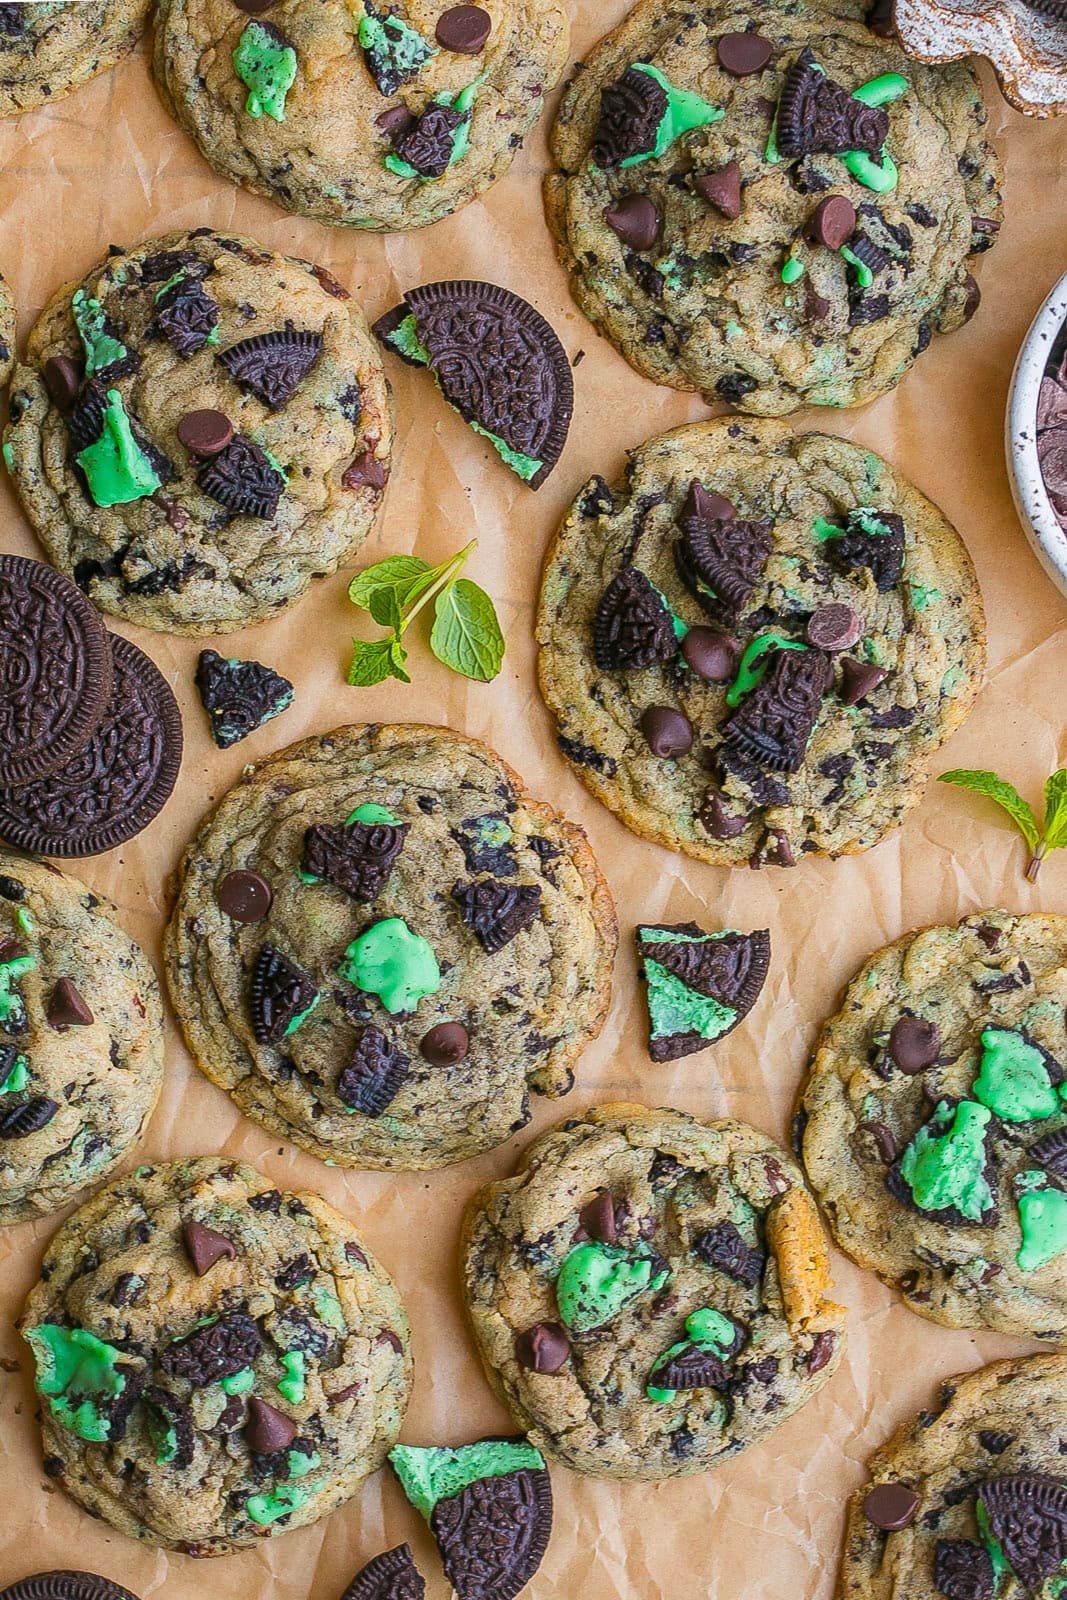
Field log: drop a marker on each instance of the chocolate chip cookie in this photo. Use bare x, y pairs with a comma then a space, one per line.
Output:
970, 1499
381, 944
649, 1293
934, 1122
7, 331
199, 429
81, 1039
756, 642
50, 47
773, 206
363, 112
216, 1361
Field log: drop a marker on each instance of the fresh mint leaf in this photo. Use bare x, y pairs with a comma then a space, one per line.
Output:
385, 609
396, 573
372, 663
1005, 795
466, 635
1056, 810
397, 656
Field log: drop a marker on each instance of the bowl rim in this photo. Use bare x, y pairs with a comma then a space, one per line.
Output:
1047, 538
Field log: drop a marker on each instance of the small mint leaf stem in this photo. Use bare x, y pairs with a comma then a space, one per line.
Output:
1033, 866
449, 572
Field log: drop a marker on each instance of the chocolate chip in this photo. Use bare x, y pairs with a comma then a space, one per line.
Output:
890, 1506
858, 678
543, 1348
816, 306
62, 379
834, 627
637, 220
445, 1044
266, 1429
464, 29
883, 1139
711, 655
597, 1217
743, 53
832, 223
879, 18
722, 189
822, 1348
914, 1044
395, 121
255, 8
244, 896
667, 732
972, 297
66, 1008
204, 433
719, 822
700, 503
204, 1246
366, 471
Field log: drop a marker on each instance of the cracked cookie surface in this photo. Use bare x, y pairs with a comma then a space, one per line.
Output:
7, 331
52, 46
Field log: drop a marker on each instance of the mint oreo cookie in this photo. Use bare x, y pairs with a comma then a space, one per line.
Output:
699, 985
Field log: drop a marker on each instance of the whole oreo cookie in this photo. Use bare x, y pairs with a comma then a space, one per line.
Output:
55, 670
114, 787
66, 1586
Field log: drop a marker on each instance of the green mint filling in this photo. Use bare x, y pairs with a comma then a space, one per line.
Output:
675, 1008
921, 596
1042, 1221
405, 339
680, 628
24, 920
267, 1508
17, 1078
948, 1169
392, 962
792, 269
266, 65
300, 1463
238, 1382
685, 112
525, 466
708, 1330
11, 1003
101, 349
1013, 1080
597, 1280
864, 275
823, 529
329, 1309
869, 521
115, 466
992, 1543
73, 1364
175, 277
293, 1385
430, 1474
398, 49
753, 663
371, 813
163, 1434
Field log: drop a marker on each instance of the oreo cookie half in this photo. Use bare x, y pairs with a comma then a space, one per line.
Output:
390, 1576
66, 1586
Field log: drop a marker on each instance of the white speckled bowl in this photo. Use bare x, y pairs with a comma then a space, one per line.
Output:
1028, 50
1048, 539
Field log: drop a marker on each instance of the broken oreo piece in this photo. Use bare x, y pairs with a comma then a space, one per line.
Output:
281, 995
390, 1576
699, 985
1027, 1514
30, 1117
357, 858
632, 626
631, 111
371, 1079
817, 116
214, 1351
272, 365
495, 912
243, 479
185, 316
723, 1248
774, 722
428, 143
963, 1570
239, 696
872, 539
720, 559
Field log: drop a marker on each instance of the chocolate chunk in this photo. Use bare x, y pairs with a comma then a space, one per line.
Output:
720, 560
711, 655
66, 1008
62, 379
822, 1348
700, 502
881, 552
741, 54
204, 1246
962, 1570
722, 1247
495, 912
391, 1576
632, 626
239, 696
365, 471
834, 627
774, 722
204, 433
243, 479
866, 308
972, 296
244, 896
371, 1079
394, 121
493, 1535
429, 142
597, 1217
773, 850
1050, 1152
272, 365
281, 993
57, 676
64, 1585
1027, 1514
890, 1506
817, 115
722, 189
631, 111
267, 1429
667, 732
858, 678
879, 18
914, 1044
255, 8
117, 783
445, 1044
217, 1350
718, 821
464, 29
816, 306
13, 18
883, 1138
832, 223
30, 1117
543, 1348
636, 219
186, 316
295, 1273
358, 857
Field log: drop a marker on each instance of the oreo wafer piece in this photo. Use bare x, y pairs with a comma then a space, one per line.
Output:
390, 1576
117, 784
496, 360
55, 670
493, 1534
66, 1586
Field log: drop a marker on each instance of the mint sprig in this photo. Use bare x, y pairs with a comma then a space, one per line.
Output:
465, 636
1052, 835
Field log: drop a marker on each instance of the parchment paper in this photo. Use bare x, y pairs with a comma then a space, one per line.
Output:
106, 164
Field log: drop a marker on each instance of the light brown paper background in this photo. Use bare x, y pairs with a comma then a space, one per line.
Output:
107, 164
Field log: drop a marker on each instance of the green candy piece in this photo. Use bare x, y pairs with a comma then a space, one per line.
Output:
823, 529
238, 1382
163, 1434
675, 1008
75, 1361
991, 1542
752, 665
116, 467
880, 179
864, 275
300, 1463
880, 91
597, 1280
707, 1329
431, 1473
398, 50
392, 962
371, 813
792, 269
266, 64
685, 112
1013, 1080
17, 1078
948, 1169
293, 1386
1043, 1221
101, 348
267, 1508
